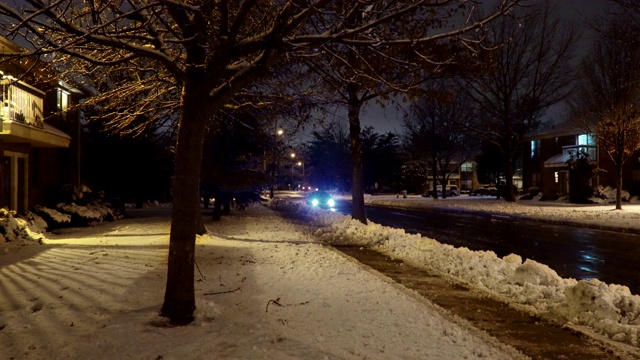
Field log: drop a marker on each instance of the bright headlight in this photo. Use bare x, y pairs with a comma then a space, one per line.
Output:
314, 202
331, 203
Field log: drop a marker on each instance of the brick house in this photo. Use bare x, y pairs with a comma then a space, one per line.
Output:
544, 161
39, 135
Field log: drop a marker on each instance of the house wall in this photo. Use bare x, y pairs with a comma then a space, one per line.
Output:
53, 168
535, 174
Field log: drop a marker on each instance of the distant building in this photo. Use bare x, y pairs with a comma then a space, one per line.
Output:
39, 134
545, 154
453, 172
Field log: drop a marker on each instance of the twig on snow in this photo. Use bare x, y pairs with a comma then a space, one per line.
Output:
223, 292
202, 277
276, 301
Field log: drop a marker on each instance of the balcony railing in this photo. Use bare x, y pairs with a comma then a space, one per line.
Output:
574, 150
21, 103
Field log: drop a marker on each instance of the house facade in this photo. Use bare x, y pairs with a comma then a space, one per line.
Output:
463, 175
39, 133
544, 160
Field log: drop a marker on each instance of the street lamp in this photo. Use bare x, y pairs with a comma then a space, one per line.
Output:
279, 133
293, 156
274, 172
300, 163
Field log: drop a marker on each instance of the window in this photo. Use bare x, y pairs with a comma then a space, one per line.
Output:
587, 145
63, 103
466, 167
556, 176
586, 139
535, 148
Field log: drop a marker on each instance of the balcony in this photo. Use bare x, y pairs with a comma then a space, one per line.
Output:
560, 160
590, 150
22, 116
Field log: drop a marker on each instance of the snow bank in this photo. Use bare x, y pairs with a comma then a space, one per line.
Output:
610, 310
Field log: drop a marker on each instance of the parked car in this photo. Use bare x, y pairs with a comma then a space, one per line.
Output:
486, 190
321, 199
452, 190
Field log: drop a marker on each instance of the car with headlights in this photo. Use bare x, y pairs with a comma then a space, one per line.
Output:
321, 199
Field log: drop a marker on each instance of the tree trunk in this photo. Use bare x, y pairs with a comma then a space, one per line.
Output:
358, 211
508, 192
434, 160
443, 182
619, 187
179, 298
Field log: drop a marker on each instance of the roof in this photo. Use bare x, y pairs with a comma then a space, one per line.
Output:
557, 160
554, 130
47, 137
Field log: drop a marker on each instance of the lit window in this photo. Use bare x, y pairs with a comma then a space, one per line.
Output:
63, 103
535, 148
586, 139
556, 176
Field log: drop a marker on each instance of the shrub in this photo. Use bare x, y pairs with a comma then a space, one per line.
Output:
580, 174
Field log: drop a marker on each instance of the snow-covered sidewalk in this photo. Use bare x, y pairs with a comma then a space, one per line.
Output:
266, 290
590, 306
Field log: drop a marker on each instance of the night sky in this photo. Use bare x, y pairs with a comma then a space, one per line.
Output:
578, 11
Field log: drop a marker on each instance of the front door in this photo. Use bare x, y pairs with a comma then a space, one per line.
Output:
5, 182
14, 189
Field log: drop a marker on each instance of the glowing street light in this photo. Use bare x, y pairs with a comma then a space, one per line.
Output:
275, 167
300, 163
293, 155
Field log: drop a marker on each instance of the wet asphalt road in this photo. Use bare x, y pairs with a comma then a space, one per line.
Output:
573, 252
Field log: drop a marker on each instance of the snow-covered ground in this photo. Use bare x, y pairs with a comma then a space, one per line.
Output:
268, 289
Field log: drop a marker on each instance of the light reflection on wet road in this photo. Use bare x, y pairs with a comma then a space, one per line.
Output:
573, 252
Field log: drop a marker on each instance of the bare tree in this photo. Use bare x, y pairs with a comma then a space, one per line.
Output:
607, 101
531, 70
437, 130
208, 51
329, 156
355, 76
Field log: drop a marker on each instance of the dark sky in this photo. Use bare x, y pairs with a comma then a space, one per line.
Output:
578, 11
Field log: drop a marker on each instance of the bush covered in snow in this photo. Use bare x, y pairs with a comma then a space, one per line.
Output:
20, 230
607, 195
80, 207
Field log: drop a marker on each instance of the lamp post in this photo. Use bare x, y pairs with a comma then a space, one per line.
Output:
279, 133
301, 163
293, 156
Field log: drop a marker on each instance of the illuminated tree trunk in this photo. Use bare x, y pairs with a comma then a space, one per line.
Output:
179, 298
